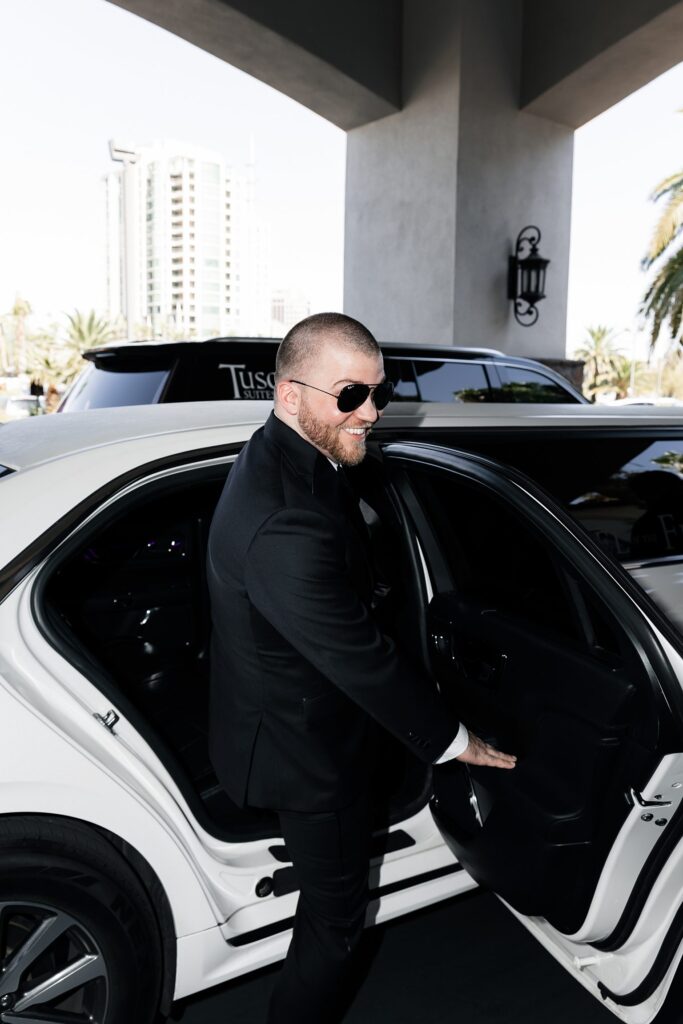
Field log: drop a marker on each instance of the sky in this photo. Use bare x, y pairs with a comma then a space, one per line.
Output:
75, 73
619, 157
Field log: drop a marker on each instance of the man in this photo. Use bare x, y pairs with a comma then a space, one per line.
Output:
300, 670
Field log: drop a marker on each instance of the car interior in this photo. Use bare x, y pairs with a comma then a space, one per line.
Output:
127, 602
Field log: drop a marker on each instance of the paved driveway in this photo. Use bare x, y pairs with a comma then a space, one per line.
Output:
467, 961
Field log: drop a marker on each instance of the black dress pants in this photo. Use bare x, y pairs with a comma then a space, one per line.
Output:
330, 852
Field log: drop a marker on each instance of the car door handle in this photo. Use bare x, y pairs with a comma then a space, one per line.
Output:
638, 798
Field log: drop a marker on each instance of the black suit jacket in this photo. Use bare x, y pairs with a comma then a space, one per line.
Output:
299, 668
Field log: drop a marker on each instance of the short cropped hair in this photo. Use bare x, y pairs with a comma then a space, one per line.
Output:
299, 347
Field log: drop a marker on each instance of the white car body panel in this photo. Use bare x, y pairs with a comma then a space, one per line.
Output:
115, 781
203, 960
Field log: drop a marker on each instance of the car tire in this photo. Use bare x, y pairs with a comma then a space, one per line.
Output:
79, 938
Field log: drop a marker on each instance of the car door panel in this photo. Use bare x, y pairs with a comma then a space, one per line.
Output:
546, 650
569, 720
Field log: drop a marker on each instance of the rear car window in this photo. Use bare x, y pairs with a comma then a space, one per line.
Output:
451, 381
98, 388
247, 372
519, 384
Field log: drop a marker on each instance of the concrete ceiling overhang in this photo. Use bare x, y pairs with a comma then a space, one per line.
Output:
580, 57
341, 59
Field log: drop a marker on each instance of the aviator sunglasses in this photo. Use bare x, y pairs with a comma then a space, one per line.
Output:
352, 396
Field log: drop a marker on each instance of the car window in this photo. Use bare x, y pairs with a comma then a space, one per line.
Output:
519, 384
248, 372
98, 388
626, 492
400, 372
451, 381
495, 559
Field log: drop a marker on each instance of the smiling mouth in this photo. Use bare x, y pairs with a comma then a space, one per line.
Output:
356, 431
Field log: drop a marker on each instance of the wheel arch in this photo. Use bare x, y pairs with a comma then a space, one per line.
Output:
144, 873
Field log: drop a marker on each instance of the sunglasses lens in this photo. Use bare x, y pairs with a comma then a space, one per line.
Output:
383, 394
352, 397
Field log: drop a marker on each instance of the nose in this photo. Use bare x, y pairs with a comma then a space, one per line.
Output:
368, 410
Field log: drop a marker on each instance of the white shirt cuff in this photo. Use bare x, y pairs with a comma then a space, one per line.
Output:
457, 747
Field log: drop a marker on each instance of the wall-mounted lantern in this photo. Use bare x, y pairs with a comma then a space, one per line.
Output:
526, 276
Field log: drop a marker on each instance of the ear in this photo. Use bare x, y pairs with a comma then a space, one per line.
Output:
288, 397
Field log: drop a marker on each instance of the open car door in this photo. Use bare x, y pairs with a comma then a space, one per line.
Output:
549, 650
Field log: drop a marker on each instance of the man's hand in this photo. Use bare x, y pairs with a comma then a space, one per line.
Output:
478, 752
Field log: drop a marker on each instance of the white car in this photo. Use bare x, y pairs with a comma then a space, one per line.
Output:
531, 559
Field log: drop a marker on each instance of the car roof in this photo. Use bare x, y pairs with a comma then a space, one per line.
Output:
41, 439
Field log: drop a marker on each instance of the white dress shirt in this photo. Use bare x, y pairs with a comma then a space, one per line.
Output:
457, 747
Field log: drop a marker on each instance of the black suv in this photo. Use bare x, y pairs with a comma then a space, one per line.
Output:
143, 373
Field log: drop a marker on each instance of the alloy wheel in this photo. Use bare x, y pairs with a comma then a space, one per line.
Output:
51, 969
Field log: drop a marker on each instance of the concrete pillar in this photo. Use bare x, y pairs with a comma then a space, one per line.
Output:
437, 193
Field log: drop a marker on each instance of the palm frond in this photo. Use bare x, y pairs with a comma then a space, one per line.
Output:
673, 183
663, 294
675, 313
667, 228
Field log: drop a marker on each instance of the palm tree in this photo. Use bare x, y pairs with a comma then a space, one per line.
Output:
48, 367
55, 360
89, 330
84, 331
14, 339
663, 300
601, 358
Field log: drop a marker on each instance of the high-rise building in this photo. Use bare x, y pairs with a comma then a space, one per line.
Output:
288, 306
198, 249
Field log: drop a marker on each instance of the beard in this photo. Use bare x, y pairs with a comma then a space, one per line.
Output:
328, 438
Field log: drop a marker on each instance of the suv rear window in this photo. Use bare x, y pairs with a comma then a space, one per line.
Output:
246, 372
101, 389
